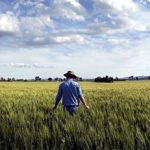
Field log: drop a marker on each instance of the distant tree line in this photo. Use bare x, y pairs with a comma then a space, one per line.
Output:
12, 79
97, 79
139, 78
37, 78
104, 79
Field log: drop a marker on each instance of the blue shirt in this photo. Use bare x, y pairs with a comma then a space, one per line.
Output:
71, 93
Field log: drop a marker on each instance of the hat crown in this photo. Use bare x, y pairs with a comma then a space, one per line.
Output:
70, 73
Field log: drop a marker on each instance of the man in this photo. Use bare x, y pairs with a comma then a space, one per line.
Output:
71, 93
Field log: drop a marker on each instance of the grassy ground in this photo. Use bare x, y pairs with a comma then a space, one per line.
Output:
119, 117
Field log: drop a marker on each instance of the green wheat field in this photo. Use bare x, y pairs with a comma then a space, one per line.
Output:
118, 118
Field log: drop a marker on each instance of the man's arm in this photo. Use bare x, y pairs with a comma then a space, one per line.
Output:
58, 97
84, 102
81, 97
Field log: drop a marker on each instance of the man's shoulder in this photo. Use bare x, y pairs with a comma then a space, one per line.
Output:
75, 83
67, 82
61, 84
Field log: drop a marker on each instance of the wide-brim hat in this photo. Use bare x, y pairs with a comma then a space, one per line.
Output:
70, 74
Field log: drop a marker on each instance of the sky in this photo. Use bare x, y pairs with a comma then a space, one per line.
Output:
93, 38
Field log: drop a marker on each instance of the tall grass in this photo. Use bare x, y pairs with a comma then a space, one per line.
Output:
119, 117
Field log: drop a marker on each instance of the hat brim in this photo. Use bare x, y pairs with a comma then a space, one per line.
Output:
73, 75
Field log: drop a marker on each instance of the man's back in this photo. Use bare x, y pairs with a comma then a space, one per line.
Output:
71, 93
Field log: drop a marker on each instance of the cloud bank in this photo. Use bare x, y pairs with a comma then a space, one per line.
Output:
97, 37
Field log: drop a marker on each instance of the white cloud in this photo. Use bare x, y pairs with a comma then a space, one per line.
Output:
143, 23
127, 23
37, 65
75, 3
39, 39
8, 23
57, 39
70, 39
19, 65
25, 65
68, 9
114, 6
120, 16
36, 25
122, 5
118, 42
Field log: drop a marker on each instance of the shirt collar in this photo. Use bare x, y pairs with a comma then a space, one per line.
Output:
69, 79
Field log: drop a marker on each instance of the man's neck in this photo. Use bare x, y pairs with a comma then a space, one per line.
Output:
69, 78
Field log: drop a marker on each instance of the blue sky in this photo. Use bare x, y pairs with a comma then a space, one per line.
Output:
91, 37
